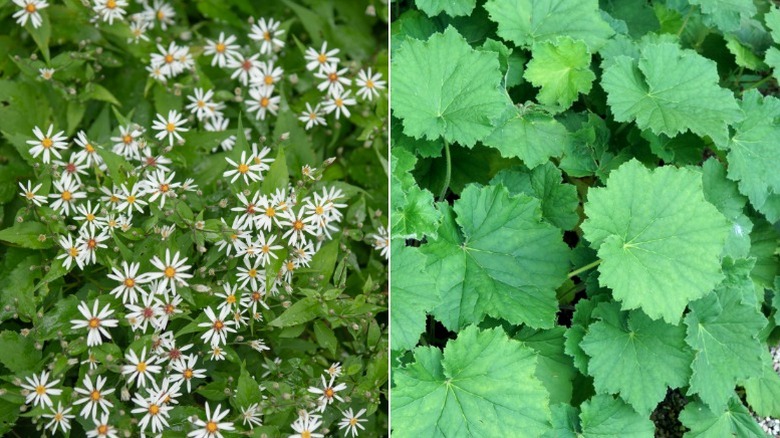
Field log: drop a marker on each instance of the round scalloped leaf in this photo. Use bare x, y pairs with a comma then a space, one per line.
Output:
734, 421
601, 416
444, 88
483, 385
453, 8
414, 293
659, 239
562, 69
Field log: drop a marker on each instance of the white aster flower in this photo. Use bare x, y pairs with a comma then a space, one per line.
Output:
228, 296
316, 60
213, 425
148, 311
126, 144
140, 367
333, 79
381, 241
200, 103
352, 422
138, 29
110, 10
334, 370
185, 371
95, 322
243, 68
40, 390
219, 326
245, 167
60, 418
47, 144
74, 168
297, 227
305, 425
171, 272
131, 198
266, 248
328, 392
90, 244
262, 102
102, 429
29, 11
369, 84
160, 11
29, 193
251, 416
160, 185
251, 273
269, 75
170, 127
155, 410
154, 162
129, 280
223, 49
72, 252
89, 150
268, 34
340, 103
312, 116
94, 396
46, 73
90, 218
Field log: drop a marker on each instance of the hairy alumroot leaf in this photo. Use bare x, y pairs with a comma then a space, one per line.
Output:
443, 87
722, 330
724, 195
562, 69
533, 136
601, 416
453, 8
496, 258
482, 385
753, 156
670, 90
659, 239
414, 215
763, 392
555, 369
414, 293
525, 22
734, 420
636, 357
726, 14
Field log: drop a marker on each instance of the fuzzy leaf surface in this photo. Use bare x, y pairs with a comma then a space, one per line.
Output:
414, 294
562, 69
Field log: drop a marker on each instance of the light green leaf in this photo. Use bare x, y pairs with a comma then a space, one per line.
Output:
726, 15
496, 258
247, 391
602, 416
722, 331
772, 19
763, 392
277, 176
555, 369
670, 90
444, 88
562, 69
636, 357
482, 385
659, 239
26, 235
414, 215
414, 293
301, 311
533, 136
724, 195
19, 352
753, 153
743, 55
118, 167
526, 22
772, 59
733, 421
453, 8
95, 91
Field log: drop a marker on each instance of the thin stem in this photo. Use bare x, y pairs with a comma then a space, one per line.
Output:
579, 271
759, 83
448, 171
685, 22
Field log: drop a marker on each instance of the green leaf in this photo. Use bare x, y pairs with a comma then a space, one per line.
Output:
118, 167
725, 196
526, 22
301, 311
98, 92
414, 294
772, 19
414, 215
562, 69
444, 88
743, 55
533, 136
277, 176
41, 34
735, 420
325, 336
26, 235
506, 263
453, 8
753, 158
19, 352
605, 416
659, 239
483, 385
763, 392
636, 357
722, 331
555, 369
727, 15
670, 90
248, 391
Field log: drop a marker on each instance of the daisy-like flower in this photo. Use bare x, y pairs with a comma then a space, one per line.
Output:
66, 196
244, 68
40, 390
217, 353
245, 167
46, 73
138, 30
160, 11
160, 185
228, 296
90, 244
152, 162
334, 370
328, 392
213, 425
88, 150
110, 10
171, 272
267, 33
140, 367
88, 216
262, 102
235, 236
185, 371
201, 105
223, 49
102, 429
47, 144
251, 273
381, 241
333, 79
129, 280
339, 102
259, 345
29, 11
266, 248
219, 326
269, 75
60, 418
258, 156
74, 168
91, 360
29, 193
94, 396
169, 350
95, 322
148, 311
308, 172
369, 84
156, 73
301, 255
72, 252
248, 210
251, 416
312, 116
352, 422
131, 198
298, 227
170, 306
170, 127
155, 410
168, 59
316, 60
127, 142
251, 300
305, 425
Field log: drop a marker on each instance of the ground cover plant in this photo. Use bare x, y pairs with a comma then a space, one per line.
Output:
585, 205
193, 205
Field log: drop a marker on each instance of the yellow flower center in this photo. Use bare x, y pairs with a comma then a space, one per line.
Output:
91, 243
267, 36
102, 429
322, 58
40, 390
201, 104
129, 282
164, 188
231, 299
187, 374
168, 58
290, 266
114, 199
170, 127
333, 77
141, 367
353, 421
328, 392
46, 142
305, 434
160, 15
89, 148
369, 83
170, 272
95, 395
154, 409
90, 217
270, 212
29, 195
265, 249
319, 210
264, 102
30, 8
127, 139
111, 4
218, 325
73, 251
298, 225
220, 47
268, 79
243, 168
58, 417
339, 102
211, 427
252, 273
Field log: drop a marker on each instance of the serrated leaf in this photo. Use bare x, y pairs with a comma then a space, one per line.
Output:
555, 369
414, 215
526, 22
532, 136
414, 294
601, 416
670, 90
735, 420
19, 352
722, 331
763, 392
444, 88
636, 357
453, 8
562, 69
726, 15
659, 239
725, 196
482, 385
506, 263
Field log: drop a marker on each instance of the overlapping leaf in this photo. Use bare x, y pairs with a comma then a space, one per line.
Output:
562, 69
414, 215
533, 136
601, 416
414, 293
735, 420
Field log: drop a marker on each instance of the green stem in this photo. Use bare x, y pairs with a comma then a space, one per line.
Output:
448, 172
759, 83
578, 271
685, 22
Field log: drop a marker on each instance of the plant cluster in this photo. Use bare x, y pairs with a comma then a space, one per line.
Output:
167, 270
585, 199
